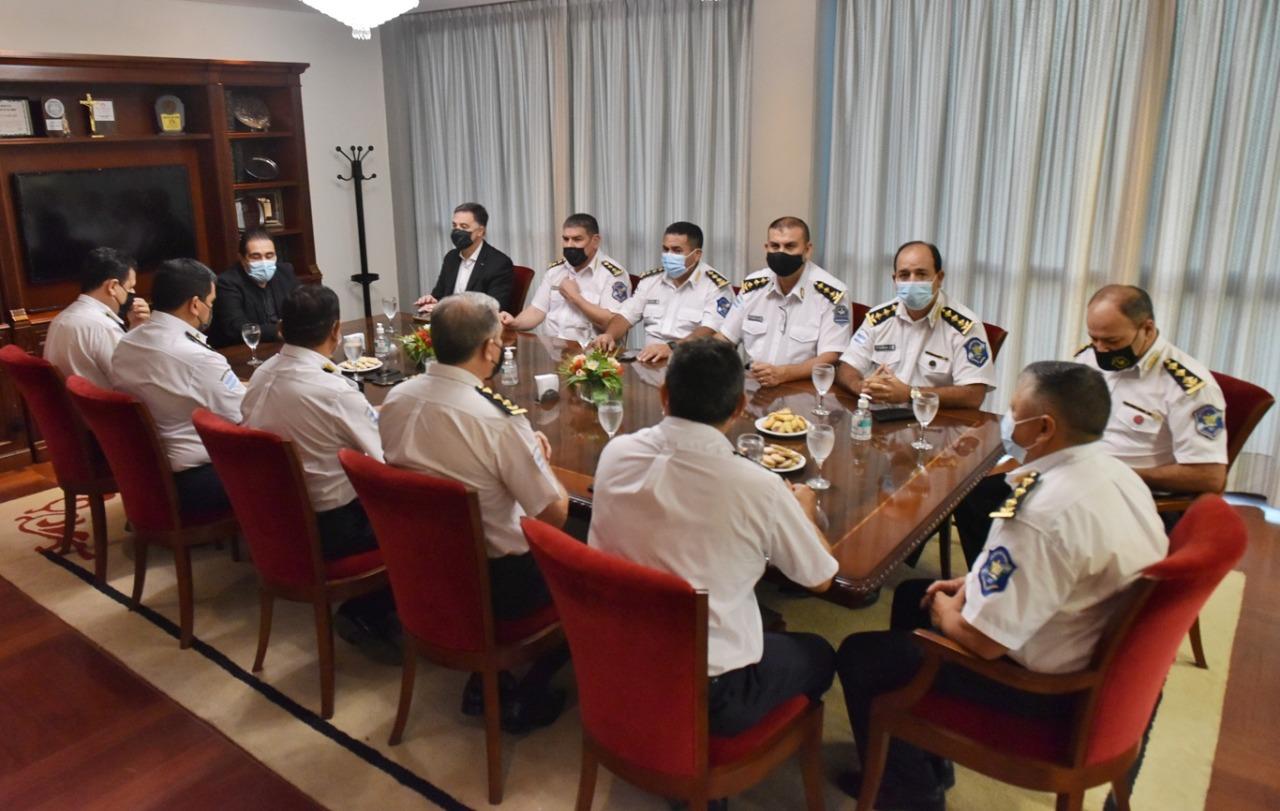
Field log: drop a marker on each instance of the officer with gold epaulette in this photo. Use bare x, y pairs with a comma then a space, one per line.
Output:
579, 293
1078, 527
449, 423
789, 316
920, 341
673, 299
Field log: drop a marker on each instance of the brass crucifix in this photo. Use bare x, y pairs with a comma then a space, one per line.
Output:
88, 102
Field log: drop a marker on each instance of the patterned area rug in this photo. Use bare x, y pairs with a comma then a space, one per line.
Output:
346, 764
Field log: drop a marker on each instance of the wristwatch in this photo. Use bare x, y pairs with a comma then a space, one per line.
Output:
915, 392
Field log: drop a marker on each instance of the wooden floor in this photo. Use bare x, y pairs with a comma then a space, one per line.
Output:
81, 731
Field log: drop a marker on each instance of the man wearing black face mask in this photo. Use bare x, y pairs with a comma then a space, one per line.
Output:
791, 315
473, 264
83, 336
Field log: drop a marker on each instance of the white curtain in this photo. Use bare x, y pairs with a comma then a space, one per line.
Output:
1050, 147
660, 93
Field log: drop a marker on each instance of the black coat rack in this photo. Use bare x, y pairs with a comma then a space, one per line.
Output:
364, 277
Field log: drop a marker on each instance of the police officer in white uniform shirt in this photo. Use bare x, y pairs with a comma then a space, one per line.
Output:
82, 338
1077, 530
580, 293
673, 299
790, 315
920, 341
168, 365
676, 497
449, 423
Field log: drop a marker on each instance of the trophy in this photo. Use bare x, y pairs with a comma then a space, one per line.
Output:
170, 115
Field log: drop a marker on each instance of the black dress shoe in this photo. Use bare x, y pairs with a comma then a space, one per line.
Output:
473, 693
369, 639
893, 797
528, 712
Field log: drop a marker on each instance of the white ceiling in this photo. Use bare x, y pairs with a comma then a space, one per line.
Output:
298, 5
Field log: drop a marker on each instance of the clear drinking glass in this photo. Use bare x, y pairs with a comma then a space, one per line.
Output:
610, 415
353, 348
824, 374
389, 308
821, 440
252, 335
752, 447
925, 407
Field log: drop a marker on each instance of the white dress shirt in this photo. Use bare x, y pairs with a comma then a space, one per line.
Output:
1049, 577
465, 267
675, 497
300, 395
442, 423
778, 329
603, 282
167, 364
82, 338
671, 313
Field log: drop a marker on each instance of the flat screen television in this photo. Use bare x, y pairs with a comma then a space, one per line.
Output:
144, 211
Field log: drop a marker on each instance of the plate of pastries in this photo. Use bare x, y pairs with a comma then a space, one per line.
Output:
361, 365
783, 423
782, 460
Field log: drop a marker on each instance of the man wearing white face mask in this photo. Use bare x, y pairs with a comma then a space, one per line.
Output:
920, 341
252, 291
673, 299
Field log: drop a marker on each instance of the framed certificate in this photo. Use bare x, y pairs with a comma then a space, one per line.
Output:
15, 118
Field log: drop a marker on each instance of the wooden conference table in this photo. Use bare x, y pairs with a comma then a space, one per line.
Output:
886, 498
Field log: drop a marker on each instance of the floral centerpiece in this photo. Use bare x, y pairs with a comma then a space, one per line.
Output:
595, 375
417, 345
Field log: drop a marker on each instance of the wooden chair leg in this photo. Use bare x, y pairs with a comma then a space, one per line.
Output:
493, 733
1120, 789
186, 607
1070, 802
68, 522
944, 547
266, 603
1197, 648
139, 571
324, 639
408, 672
811, 764
587, 777
98, 514
873, 763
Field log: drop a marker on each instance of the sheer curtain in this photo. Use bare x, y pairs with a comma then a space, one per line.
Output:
1050, 147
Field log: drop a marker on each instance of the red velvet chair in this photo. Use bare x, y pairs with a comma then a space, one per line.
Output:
1247, 404
520, 288
995, 336
639, 643
1116, 694
125, 430
859, 312
433, 543
264, 480
77, 460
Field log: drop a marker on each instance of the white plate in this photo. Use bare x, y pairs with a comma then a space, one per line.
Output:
798, 465
797, 435
347, 367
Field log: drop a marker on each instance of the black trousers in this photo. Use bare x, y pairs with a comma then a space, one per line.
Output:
516, 587
973, 515
346, 531
878, 662
200, 491
792, 664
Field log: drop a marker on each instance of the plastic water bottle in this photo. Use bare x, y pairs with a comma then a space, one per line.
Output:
510, 371
860, 424
380, 346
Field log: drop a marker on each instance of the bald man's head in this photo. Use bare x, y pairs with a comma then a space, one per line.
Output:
1120, 316
1132, 302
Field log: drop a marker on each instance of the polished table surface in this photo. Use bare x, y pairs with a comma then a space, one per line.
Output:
886, 498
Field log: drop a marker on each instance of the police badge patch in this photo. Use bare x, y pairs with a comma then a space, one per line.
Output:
995, 573
1209, 421
840, 314
722, 306
620, 291
975, 349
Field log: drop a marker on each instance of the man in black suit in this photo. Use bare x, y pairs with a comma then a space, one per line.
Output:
252, 291
473, 264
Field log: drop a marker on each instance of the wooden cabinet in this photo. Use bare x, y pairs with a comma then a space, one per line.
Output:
214, 147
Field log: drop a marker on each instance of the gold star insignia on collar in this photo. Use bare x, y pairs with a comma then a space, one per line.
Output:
719, 280
1189, 382
957, 320
1024, 486
330, 368
611, 267
828, 292
881, 313
754, 284
649, 273
196, 339
501, 402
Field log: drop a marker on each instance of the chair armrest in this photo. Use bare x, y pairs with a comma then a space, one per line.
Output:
1173, 502
1004, 671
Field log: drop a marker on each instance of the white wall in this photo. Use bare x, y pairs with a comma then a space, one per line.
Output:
342, 96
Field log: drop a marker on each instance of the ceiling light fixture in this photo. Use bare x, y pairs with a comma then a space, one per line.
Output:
362, 15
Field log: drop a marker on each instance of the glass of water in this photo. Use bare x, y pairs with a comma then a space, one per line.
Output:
610, 415
752, 447
252, 335
390, 306
824, 374
925, 407
353, 348
821, 440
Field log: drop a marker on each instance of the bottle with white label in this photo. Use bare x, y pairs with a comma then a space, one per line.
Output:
380, 345
860, 420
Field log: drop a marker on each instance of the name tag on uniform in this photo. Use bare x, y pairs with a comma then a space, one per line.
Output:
755, 318
886, 347
652, 301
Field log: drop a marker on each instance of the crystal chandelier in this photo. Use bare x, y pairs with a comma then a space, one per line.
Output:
362, 15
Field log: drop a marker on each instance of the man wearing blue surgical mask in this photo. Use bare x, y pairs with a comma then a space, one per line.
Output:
921, 341
252, 291
673, 298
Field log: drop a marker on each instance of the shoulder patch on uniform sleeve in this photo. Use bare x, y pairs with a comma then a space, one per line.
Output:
975, 349
649, 273
881, 313
719, 280
957, 320
1024, 486
1190, 383
1081, 350
501, 402
994, 575
611, 267
754, 284
195, 339
1209, 421
621, 291
840, 314
722, 306
828, 292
